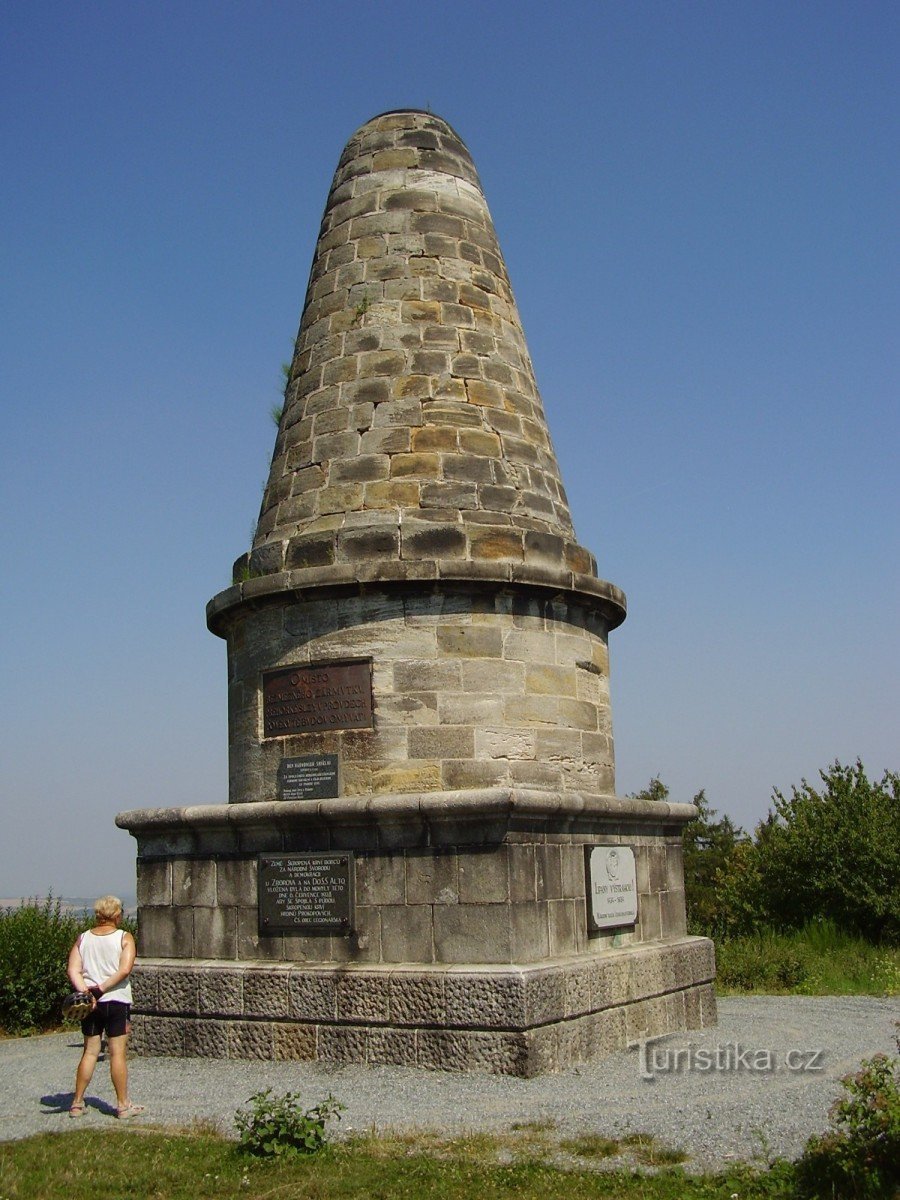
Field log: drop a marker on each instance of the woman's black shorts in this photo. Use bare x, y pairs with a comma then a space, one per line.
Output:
110, 1017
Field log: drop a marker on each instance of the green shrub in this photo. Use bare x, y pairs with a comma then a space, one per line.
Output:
35, 940
833, 854
276, 1127
764, 961
860, 1156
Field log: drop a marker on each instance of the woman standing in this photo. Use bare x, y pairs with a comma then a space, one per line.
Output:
100, 963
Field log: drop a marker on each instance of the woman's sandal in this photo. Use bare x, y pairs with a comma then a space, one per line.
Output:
130, 1110
76, 1110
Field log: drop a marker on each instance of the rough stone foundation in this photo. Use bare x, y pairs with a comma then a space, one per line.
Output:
508, 1020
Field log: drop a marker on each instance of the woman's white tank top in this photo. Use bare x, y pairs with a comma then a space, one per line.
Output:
100, 955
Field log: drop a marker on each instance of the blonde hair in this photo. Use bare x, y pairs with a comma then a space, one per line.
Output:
107, 908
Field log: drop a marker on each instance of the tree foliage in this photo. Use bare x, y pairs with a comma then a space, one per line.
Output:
833, 854
828, 854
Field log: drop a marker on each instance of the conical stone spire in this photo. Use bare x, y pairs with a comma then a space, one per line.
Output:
413, 441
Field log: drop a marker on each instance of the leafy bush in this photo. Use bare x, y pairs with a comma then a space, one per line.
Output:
860, 1156
35, 940
833, 854
830, 855
276, 1127
712, 850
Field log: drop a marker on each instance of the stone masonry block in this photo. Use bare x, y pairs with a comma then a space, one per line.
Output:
342, 1043
294, 1043
391, 1047
178, 990
417, 998
577, 982
469, 641
444, 741
215, 932
161, 1036
380, 879
236, 881
266, 993
313, 995
221, 992
472, 933
562, 924
462, 708
484, 876
251, 1040
206, 1039
432, 878
480, 1000
165, 933
364, 996
406, 933
154, 882
193, 881
144, 987
545, 996
522, 882
548, 865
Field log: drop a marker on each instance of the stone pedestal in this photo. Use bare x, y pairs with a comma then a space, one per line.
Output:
470, 946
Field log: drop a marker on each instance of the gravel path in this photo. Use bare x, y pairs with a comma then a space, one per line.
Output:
753, 1106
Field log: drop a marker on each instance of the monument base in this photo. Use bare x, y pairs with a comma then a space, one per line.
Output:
506, 1019
469, 945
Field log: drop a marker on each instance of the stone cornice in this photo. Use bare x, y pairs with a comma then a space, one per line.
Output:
584, 589
429, 807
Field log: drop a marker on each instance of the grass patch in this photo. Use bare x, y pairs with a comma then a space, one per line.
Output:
818, 960
195, 1165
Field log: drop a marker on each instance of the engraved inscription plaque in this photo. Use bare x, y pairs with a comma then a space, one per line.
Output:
611, 887
309, 777
306, 893
309, 699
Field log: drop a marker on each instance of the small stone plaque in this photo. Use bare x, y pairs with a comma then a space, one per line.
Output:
612, 887
321, 696
306, 893
310, 777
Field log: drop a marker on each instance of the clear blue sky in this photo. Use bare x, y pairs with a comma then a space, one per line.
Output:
698, 206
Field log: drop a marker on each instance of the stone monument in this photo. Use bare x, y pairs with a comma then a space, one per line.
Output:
422, 860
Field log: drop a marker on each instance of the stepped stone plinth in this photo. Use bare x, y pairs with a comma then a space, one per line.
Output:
423, 860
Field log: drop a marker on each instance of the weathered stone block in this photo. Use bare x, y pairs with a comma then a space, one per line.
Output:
442, 741
266, 993
406, 933
417, 998
294, 1043
472, 933
215, 932
489, 999
313, 995
206, 1039
221, 992
380, 879
484, 876
391, 1047
157, 1036
250, 1039
154, 882
469, 641
177, 989
193, 882
341, 1043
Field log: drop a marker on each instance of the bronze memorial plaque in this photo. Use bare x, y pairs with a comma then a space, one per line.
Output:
306, 893
317, 697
